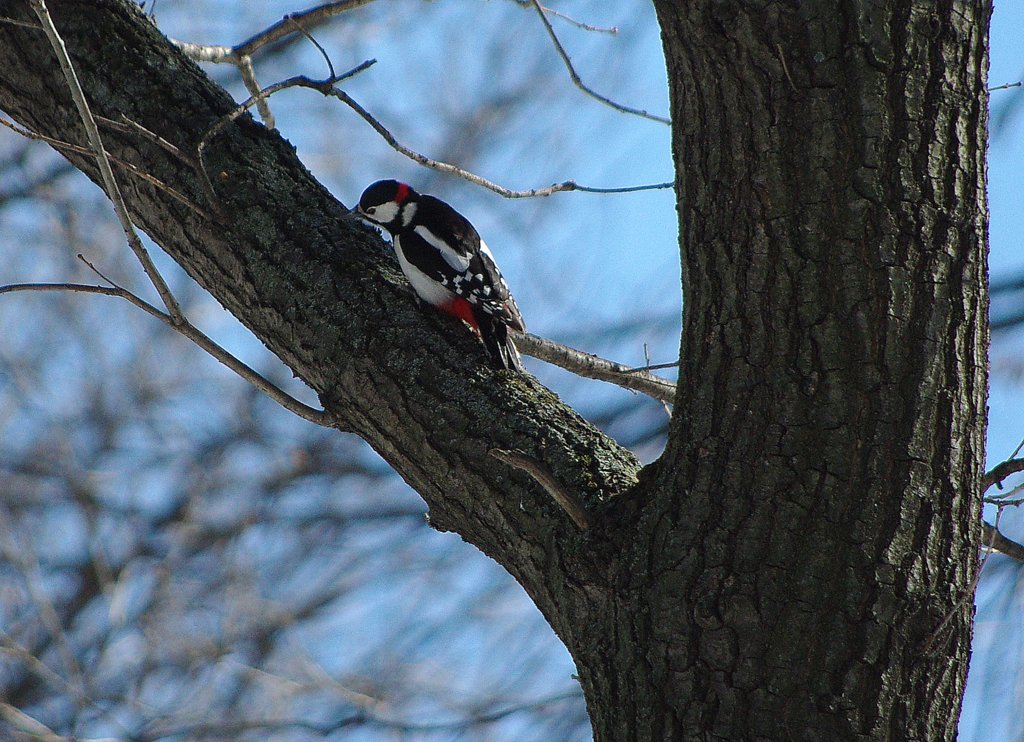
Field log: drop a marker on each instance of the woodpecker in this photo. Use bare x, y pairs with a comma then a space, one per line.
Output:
447, 264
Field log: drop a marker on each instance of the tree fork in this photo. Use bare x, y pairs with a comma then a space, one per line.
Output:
323, 294
798, 564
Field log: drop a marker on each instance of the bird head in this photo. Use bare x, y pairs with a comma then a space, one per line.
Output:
389, 203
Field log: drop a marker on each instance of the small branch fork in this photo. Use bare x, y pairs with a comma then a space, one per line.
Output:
102, 160
190, 331
993, 537
241, 54
593, 367
578, 82
284, 27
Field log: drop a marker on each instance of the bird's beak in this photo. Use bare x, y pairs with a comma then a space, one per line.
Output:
352, 213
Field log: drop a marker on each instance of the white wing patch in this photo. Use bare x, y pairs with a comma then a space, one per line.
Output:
428, 289
458, 262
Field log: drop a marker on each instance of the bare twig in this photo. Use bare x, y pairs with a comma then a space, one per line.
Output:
60, 144
444, 167
129, 126
323, 52
543, 476
39, 668
652, 367
248, 73
578, 23
324, 86
103, 162
27, 724
190, 331
241, 54
647, 362
1006, 86
785, 67
23, 24
1001, 471
579, 82
991, 535
83, 288
994, 539
327, 87
284, 27
593, 367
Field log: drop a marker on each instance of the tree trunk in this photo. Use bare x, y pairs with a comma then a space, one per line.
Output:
809, 539
799, 563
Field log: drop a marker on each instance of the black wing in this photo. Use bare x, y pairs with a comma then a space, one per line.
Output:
481, 283
448, 224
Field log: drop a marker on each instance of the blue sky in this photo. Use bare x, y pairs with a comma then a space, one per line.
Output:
578, 263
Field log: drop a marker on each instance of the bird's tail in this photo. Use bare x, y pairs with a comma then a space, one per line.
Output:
499, 345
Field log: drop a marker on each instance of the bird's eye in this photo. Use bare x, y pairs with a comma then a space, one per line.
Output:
371, 209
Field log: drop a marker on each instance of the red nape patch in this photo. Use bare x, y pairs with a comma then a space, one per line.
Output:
402, 193
463, 310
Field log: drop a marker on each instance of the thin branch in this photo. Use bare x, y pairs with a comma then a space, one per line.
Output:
444, 167
785, 67
241, 54
36, 730
27, 724
106, 171
323, 86
83, 288
594, 367
569, 18
652, 367
37, 667
1006, 86
579, 82
994, 539
314, 42
248, 73
23, 24
156, 182
190, 331
327, 87
1000, 472
542, 475
303, 19
284, 27
129, 126
580, 24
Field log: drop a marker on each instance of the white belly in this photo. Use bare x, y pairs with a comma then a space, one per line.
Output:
429, 290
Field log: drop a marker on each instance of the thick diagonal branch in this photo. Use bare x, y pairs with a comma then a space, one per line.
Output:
321, 293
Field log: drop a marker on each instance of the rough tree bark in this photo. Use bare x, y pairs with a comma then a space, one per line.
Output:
799, 563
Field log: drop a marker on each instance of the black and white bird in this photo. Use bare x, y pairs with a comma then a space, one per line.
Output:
447, 263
